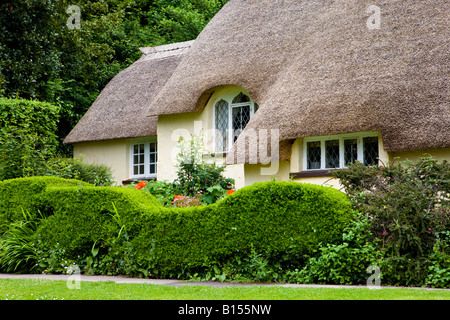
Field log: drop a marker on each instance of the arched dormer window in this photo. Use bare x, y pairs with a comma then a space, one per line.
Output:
232, 112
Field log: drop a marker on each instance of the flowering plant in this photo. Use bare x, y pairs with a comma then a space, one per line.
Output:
180, 201
140, 185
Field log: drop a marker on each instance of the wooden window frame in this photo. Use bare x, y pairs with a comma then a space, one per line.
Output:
322, 139
147, 175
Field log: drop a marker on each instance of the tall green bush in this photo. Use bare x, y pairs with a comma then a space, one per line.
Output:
409, 206
27, 136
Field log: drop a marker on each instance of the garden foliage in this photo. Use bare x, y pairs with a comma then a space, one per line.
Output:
258, 232
28, 144
407, 207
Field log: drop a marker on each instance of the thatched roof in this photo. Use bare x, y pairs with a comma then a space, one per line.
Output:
120, 111
315, 68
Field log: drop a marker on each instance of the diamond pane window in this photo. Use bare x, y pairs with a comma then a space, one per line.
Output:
350, 151
232, 112
240, 118
241, 98
370, 150
332, 154
314, 155
338, 151
221, 126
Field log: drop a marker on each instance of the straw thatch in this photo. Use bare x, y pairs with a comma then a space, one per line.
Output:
120, 111
315, 68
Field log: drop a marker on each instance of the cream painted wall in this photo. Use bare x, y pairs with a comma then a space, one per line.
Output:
440, 154
114, 153
254, 174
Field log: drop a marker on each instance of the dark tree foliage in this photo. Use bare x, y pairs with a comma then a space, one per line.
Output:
41, 58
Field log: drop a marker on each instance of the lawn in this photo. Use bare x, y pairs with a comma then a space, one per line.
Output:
42, 289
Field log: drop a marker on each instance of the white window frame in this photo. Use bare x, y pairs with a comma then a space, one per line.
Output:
360, 148
147, 174
228, 97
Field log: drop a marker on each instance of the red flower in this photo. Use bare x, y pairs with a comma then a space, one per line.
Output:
177, 197
140, 185
230, 192
143, 184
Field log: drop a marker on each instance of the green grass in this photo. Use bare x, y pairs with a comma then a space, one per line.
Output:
40, 289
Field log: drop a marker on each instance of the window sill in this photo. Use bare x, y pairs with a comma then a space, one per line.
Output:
311, 174
129, 181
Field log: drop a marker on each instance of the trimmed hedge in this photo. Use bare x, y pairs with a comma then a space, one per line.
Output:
282, 220
272, 217
84, 215
26, 194
39, 117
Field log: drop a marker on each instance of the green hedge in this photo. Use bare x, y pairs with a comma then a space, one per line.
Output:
39, 117
133, 234
84, 215
26, 194
273, 217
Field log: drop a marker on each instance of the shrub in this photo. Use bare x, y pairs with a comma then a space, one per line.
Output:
27, 136
408, 205
26, 194
280, 220
195, 174
17, 252
258, 232
345, 262
39, 117
164, 191
84, 215
439, 266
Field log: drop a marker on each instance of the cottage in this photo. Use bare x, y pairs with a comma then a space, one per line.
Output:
282, 89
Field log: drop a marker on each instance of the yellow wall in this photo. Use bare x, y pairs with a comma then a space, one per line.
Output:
439, 154
114, 153
254, 174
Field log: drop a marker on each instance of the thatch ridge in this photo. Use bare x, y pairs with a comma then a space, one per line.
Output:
120, 111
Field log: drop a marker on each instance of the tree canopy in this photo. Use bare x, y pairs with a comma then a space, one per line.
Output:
42, 58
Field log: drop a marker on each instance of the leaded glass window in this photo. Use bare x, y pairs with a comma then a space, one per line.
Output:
314, 155
350, 151
232, 114
332, 154
240, 118
339, 151
241, 98
370, 145
221, 125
